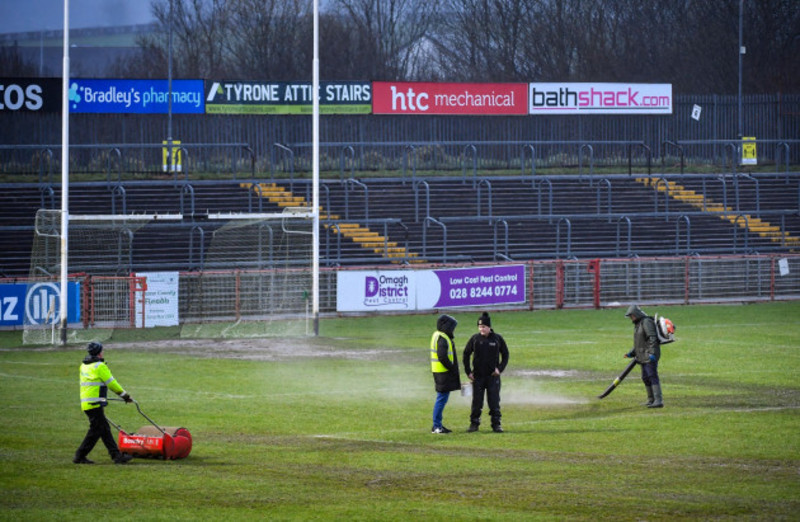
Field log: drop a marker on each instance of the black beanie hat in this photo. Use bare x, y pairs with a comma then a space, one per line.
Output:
94, 348
485, 320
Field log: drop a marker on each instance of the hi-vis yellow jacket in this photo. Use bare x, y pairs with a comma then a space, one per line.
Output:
95, 379
436, 364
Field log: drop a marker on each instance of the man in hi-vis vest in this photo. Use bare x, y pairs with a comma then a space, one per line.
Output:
95, 379
444, 365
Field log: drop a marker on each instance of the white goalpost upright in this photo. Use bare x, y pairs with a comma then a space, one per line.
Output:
64, 179
315, 169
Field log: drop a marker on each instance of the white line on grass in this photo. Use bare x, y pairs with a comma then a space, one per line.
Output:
31, 363
671, 413
359, 436
46, 379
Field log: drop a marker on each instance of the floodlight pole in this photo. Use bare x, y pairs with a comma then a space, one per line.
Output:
170, 151
741, 53
315, 170
63, 301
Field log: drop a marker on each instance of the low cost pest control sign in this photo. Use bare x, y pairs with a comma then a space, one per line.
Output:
364, 290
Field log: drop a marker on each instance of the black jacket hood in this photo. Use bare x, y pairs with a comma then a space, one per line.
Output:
635, 312
446, 324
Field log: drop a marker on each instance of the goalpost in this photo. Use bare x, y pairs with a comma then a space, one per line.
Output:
65, 218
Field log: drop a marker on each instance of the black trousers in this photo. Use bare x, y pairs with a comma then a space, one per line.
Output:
489, 385
650, 373
98, 429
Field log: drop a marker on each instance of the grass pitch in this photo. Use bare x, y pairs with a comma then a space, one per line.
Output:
338, 427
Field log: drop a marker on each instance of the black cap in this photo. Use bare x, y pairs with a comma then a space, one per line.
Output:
94, 348
484, 319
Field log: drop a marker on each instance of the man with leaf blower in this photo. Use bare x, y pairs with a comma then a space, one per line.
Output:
95, 379
647, 352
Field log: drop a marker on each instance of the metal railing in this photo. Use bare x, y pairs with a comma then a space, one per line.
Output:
242, 295
431, 231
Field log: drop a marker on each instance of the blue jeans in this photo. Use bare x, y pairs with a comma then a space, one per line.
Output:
438, 408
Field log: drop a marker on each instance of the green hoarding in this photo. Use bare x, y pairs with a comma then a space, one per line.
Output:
246, 97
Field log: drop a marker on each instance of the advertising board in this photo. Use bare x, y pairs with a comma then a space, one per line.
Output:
250, 97
478, 99
135, 96
378, 290
600, 98
30, 95
37, 303
160, 300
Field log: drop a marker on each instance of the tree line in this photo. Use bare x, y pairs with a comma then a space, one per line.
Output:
692, 44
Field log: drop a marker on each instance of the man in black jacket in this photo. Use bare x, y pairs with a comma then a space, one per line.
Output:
444, 365
647, 352
485, 358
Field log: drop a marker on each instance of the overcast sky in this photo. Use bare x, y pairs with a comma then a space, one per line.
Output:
38, 15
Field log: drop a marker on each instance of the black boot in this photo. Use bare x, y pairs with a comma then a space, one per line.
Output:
650, 397
81, 460
122, 458
657, 400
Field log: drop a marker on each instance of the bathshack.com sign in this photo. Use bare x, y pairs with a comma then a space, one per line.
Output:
600, 98
365, 290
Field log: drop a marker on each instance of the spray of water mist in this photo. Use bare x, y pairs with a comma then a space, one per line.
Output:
526, 387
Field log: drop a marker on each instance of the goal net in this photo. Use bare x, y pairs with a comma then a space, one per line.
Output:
239, 275
258, 273
99, 287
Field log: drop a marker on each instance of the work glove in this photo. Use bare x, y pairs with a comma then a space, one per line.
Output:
126, 397
629, 354
652, 358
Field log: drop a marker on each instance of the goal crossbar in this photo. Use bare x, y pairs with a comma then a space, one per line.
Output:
290, 212
126, 217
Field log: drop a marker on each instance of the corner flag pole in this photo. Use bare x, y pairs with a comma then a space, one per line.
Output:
62, 305
315, 169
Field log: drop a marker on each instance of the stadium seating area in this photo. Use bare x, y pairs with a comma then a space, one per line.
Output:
439, 219
561, 217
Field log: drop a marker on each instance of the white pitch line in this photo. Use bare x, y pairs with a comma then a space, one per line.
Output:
358, 436
671, 413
